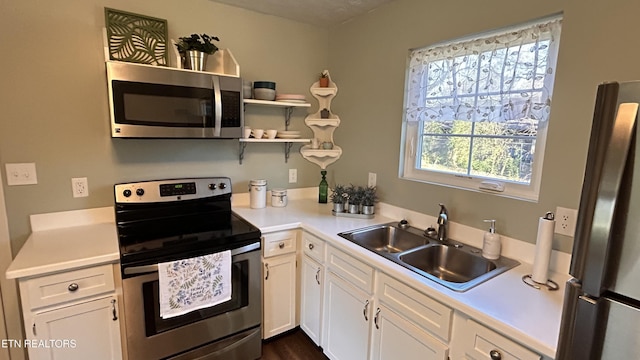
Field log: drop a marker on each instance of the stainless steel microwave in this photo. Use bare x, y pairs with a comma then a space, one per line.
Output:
157, 102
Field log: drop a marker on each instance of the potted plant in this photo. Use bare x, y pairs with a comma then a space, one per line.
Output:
195, 49
339, 197
355, 198
369, 198
324, 78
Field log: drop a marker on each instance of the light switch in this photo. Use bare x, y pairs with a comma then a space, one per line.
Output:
21, 174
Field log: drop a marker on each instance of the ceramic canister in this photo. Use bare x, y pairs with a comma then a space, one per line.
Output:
278, 197
258, 194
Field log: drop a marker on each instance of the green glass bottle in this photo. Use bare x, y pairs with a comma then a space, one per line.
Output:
324, 188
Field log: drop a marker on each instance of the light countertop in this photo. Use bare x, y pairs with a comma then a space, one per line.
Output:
504, 303
80, 241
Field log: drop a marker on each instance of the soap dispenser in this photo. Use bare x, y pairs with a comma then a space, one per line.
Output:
491, 245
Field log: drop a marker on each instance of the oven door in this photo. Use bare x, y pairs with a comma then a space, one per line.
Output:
200, 331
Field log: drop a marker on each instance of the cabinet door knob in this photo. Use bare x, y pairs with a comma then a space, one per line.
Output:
318, 276
266, 267
375, 319
73, 287
495, 355
281, 245
311, 246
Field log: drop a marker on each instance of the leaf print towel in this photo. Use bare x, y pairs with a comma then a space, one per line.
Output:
191, 284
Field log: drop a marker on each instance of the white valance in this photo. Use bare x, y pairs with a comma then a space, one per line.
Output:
498, 78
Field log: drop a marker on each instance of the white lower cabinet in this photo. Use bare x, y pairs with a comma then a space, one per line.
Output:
359, 312
312, 283
478, 342
89, 330
394, 337
279, 283
409, 323
72, 315
347, 320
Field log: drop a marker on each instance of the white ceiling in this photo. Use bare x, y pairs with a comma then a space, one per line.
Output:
317, 12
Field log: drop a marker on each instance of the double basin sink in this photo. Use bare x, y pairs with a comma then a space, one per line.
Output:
457, 266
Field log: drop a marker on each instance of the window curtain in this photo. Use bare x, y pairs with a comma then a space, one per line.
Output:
498, 78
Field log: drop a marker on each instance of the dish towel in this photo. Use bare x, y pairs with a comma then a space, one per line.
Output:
191, 284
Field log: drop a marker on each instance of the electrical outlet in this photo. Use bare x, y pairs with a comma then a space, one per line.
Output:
372, 179
565, 221
21, 174
293, 176
80, 187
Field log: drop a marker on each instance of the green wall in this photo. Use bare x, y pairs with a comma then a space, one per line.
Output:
55, 113
368, 60
53, 96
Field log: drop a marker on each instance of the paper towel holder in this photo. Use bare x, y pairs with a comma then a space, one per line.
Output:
550, 284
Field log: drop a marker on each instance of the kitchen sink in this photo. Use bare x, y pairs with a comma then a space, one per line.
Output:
386, 239
452, 264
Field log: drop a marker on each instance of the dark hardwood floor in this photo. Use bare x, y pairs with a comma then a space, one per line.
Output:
293, 345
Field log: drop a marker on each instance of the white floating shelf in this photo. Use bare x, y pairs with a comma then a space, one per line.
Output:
320, 91
323, 122
276, 140
276, 103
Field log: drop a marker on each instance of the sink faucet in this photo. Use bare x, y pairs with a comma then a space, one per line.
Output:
443, 223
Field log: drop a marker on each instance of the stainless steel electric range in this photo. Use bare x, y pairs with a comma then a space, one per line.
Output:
167, 220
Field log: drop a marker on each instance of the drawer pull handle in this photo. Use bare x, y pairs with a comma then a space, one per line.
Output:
375, 319
73, 287
113, 308
311, 246
266, 267
33, 329
281, 245
495, 355
318, 276
364, 311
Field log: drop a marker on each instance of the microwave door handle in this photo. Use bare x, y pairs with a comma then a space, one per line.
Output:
217, 104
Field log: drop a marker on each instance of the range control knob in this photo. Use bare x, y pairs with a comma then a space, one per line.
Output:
139, 192
126, 193
223, 185
213, 186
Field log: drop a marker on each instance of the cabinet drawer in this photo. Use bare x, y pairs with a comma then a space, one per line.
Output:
313, 246
347, 267
67, 286
419, 308
278, 243
480, 341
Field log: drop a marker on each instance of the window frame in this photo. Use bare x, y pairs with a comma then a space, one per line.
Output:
412, 133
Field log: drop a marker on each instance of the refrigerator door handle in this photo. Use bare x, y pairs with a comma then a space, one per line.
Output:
579, 330
588, 299
608, 188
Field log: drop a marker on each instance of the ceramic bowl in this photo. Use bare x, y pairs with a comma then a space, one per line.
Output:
271, 133
257, 133
264, 85
264, 94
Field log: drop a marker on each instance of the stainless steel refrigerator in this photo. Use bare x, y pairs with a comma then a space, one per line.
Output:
601, 315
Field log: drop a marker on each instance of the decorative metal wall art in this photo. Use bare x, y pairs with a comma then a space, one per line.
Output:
136, 38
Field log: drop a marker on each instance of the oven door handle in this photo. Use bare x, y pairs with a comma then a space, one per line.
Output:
154, 267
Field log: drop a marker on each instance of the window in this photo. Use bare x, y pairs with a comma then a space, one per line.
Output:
476, 110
